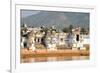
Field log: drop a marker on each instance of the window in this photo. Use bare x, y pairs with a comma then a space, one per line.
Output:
77, 37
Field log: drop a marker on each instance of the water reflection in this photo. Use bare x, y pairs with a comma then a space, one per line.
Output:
46, 59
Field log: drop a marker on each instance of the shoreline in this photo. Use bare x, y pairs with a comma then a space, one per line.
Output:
52, 53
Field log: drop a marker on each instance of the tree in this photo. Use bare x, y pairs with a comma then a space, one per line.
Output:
65, 29
83, 31
24, 30
70, 28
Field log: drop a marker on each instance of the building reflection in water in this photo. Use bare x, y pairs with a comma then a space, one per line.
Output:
47, 59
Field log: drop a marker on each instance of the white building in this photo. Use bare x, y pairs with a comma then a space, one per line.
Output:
62, 38
78, 40
52, 39
31, 41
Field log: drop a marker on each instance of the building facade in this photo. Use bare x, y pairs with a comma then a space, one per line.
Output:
34, 38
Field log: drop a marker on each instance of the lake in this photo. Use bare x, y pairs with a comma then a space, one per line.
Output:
50, 59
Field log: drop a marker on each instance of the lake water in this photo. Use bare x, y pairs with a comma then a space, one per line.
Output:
47, 59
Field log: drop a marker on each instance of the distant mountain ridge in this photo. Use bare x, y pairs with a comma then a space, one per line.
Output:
58, 19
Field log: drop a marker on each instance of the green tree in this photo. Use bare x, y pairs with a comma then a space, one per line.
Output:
65, 29
24, 30
83, 31
70, 28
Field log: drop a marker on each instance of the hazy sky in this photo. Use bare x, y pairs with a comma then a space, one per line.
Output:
25, 13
